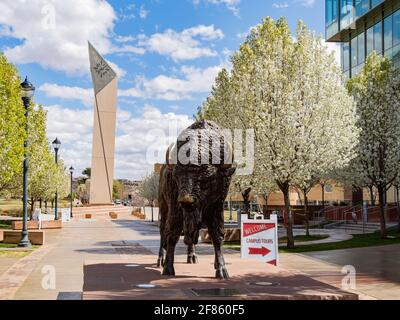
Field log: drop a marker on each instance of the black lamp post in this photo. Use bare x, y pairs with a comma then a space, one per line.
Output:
56, 145
27, 92
71, 171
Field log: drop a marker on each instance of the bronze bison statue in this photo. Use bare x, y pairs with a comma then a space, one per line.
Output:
194, 183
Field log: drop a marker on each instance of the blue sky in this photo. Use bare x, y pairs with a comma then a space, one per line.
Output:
167, 54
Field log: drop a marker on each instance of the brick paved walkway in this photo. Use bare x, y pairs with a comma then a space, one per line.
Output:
106, 240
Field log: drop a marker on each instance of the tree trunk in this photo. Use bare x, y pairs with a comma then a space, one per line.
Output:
299, 195
45, 206
246, 200
32, 208
289, 216
152, 212
266, 196
323, 198
382, 206
398, 207
371, 195
306, 213
40, 204
230, 208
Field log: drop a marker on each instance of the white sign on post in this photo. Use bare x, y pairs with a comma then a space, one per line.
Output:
66, 215
260, 240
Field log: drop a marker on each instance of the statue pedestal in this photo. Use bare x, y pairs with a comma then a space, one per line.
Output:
139, 279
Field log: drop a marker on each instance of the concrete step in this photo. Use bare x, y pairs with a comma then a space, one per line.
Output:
114, 208
88, 209
101, 211
356, 228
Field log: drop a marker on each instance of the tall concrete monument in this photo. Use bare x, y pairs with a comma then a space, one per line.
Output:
105, 84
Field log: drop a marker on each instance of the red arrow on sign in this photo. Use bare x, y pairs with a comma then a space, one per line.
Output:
259, 251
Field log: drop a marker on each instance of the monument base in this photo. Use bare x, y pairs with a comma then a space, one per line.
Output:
140, 279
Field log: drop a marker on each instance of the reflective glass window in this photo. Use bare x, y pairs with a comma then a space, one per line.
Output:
388, 32
354, 52
346, 13
396, 27
378, 37
361, 47
362, 7
370, 41
331, 8
346, 56
375, 2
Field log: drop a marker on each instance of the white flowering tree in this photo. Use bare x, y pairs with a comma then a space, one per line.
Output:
45, 177
305, 187
262, 181
291, 92
242, 185
377, 93
149, 189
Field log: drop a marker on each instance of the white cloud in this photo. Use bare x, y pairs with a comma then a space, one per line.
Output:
74, 129
57, 33
128, 48
194, 80
232, 5
124, 39
306, 3
65, 92
136, 136
143, 13
280, 5
153, 131
54, 34
185, 45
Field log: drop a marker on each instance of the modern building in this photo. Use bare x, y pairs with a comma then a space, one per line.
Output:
362, 26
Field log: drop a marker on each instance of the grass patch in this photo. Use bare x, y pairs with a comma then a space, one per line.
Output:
235, 245
12, 246
17, 253
358, 241
14, 254
7, 246
14, 207
5, 225
227, 215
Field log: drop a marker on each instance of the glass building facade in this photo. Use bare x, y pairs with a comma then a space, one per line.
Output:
362, 26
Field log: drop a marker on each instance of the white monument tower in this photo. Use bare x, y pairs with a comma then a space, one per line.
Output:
105, 84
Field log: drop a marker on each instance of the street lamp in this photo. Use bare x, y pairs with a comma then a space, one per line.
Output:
27, 92
71, 171
56, 145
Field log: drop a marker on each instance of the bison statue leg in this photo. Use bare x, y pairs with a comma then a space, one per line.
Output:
215, 224
191, 254
161, 253
172, 234
163, 215
163, 245
172, 240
